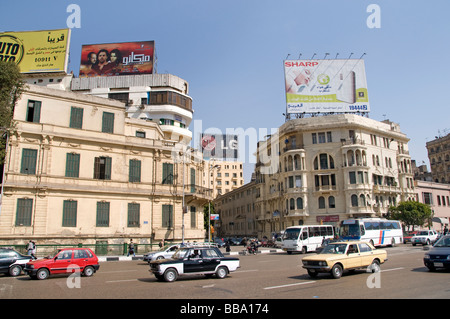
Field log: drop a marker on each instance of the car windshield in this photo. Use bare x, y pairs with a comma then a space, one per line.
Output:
180, 253
443, 242
422, 233
334, 249
291, 234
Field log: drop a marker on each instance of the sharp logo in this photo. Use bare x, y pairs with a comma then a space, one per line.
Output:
290, 64
11, 49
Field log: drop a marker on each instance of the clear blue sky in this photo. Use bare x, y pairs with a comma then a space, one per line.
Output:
231, 52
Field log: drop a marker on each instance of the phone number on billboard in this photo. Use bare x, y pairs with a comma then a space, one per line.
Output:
358, 107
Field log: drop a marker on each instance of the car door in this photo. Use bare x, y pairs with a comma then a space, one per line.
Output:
80, 259
366, 254
193, 261
353, 259
5, 260
210, 260
61, 262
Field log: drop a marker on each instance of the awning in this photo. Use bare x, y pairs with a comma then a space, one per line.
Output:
441, 220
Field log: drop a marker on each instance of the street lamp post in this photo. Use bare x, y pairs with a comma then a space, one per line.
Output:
211, 168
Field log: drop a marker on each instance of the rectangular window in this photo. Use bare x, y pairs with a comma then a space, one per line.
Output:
72, 165
314, 138
352, 177
24, 210
167, 216
29, 157
192, 180
70, 213
102, 214
133, 214
321, 138
76, 117
33, 111
167, 177
140, 134
108, 122
102, 168
193, 217
427, 198
135, 171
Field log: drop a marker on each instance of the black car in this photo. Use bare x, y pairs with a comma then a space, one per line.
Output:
439, 255
194, 260
12, 262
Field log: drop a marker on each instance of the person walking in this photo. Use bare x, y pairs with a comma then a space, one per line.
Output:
131, 248
31, 249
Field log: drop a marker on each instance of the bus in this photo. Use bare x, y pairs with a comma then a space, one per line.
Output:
377, 231
306, 238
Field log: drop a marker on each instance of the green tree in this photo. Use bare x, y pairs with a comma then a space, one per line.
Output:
12, 85
206, 218
411, 213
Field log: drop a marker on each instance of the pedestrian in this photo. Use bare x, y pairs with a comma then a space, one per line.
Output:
161, 244
31, 249
131, 248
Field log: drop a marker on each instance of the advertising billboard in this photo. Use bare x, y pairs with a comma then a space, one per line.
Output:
326, 86
111, 59
219, 146
36, 51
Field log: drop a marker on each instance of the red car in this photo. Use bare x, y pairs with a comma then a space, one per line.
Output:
67, 260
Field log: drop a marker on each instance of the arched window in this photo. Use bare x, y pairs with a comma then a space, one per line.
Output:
331, 202
291, 204
321, 202
354, 199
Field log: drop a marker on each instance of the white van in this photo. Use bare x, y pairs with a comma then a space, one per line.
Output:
306, 238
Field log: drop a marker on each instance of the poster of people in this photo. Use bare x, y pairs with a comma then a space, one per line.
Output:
111, 59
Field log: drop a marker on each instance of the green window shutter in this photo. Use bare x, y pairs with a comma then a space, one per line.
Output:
102, 214
24, 211
108, 168
193, 217
69, 213
133, 214
192, 180
167, 177
108, 122
72, 165
135, 171
29, 158
167, 216
76, 117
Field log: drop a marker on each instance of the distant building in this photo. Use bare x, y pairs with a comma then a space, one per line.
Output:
437, 196
439, 156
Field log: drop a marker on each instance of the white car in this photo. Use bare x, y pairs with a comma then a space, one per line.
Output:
425, 237
163, 253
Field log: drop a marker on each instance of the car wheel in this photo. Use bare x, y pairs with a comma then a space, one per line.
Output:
170, 275
336, 271
312, 273
222, 272
304, 250
15, 270
42, 274
375, 266
159, 257
88, 271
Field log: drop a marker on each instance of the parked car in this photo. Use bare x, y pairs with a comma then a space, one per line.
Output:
425, 237
194, 260
408, 235
337, 257
163, 253
67, 260
439, 255
219, 242
12, 262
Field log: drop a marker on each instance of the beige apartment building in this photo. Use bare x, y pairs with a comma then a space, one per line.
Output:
322, 170
79, 170
439, 156
224, 176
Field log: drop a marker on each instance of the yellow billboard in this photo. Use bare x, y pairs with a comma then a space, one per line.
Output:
36, 51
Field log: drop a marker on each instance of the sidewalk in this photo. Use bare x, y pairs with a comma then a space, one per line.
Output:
235, 250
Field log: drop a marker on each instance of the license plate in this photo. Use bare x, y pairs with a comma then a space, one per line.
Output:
438, 265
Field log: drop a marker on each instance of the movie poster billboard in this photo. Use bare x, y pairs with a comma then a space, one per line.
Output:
219, 146
326, 86
109, 59
36, 51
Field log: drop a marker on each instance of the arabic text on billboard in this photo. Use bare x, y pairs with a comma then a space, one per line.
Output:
326, 86
36, 51
117, 59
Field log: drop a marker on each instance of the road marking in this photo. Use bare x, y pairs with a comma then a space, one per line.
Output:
239, 271
209, 286
400, 268
289, 285
121, 280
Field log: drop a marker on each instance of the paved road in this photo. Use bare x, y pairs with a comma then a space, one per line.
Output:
262, 276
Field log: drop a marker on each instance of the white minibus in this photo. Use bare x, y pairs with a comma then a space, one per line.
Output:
377, 231
306, 238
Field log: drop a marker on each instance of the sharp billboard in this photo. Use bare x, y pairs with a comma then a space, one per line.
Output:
111, 59
325, 86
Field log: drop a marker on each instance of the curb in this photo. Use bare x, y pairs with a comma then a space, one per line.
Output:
141, 257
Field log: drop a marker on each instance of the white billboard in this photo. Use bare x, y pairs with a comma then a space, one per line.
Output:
326, 86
